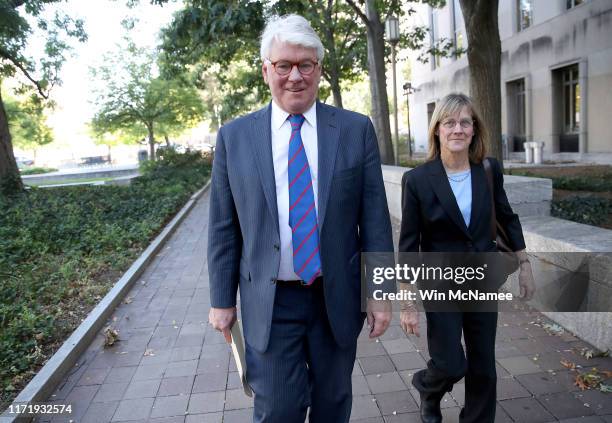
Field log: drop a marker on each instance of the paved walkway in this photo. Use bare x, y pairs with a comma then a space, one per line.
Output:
170, 366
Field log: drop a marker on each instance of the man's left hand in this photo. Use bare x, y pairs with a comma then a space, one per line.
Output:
379, 317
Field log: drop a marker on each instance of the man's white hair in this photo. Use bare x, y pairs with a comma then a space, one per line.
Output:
291, 29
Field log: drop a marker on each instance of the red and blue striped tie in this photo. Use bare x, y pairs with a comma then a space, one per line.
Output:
302, 210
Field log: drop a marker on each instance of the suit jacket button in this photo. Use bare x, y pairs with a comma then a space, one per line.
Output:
276, 247
273, 280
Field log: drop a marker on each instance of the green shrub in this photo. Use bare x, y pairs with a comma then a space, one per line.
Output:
61, 249
588, 210
594, 183
412, 163
584, 183
37, 170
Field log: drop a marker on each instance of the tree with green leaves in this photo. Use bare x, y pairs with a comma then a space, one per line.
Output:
108, 139
215, 39
27, 122
133, 101
220, 41
484, 59
375, 24
40, 73
373, 14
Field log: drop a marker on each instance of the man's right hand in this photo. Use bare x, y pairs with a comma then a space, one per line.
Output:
222, 319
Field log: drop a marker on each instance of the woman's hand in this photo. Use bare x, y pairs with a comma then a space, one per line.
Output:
409, 321
526, 282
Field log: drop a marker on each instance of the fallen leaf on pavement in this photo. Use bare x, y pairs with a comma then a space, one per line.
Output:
568, 364
110, 336
556, 329
605, 388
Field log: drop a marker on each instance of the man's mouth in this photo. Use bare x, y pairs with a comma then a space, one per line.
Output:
295, 90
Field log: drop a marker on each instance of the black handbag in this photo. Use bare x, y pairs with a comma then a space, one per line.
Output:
506, 260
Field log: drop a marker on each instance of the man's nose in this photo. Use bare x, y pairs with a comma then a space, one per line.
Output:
295, 74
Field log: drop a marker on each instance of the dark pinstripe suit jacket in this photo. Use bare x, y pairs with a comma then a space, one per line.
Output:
243, 243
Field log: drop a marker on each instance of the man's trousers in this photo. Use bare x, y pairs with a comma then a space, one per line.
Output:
302, 366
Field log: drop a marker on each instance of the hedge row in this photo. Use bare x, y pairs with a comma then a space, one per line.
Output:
62, 249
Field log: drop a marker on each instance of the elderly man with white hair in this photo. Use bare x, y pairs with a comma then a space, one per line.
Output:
297, 195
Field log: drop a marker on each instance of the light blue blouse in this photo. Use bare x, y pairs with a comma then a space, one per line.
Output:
461, 184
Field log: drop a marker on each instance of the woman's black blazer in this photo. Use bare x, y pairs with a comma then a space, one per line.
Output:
432, 222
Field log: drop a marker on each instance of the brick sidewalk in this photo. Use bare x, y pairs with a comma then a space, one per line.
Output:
170, 366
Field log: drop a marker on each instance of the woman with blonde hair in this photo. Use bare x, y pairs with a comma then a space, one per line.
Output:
447, 207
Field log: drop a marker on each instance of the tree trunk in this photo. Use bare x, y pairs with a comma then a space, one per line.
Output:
378, 82
167, 140
484, 58
151, 143
333, 72
10, 180
335, 88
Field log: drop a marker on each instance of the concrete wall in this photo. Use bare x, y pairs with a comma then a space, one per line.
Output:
85, 173
552, 234
557, 38
530, 198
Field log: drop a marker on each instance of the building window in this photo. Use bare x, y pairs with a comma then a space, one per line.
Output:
434, 37
458, 26
517, 114
573, 3
430, 109
571, 100
524, 14
570, 104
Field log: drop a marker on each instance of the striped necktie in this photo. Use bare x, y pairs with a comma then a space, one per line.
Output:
302, 211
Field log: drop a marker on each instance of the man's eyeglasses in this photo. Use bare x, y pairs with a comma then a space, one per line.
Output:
284, 67
464, 123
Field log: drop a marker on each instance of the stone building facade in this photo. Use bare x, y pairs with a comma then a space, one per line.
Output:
556, 73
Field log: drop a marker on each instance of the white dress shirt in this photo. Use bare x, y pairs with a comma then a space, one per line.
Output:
281, 132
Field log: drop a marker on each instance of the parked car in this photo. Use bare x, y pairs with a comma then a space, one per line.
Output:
23, 161
179, 148
204, 147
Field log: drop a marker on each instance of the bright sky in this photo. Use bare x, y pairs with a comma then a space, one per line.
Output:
103, 26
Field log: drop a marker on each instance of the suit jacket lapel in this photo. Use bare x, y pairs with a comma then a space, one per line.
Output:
479, 199
442, 189
328, 138
261, 143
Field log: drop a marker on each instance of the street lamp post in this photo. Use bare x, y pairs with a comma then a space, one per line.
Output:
393, 36
409, 89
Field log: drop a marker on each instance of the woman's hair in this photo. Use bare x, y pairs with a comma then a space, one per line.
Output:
291, 29
449, 106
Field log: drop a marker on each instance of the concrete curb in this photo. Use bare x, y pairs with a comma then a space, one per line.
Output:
44, 383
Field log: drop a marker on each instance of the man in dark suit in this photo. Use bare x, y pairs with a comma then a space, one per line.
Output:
297, 194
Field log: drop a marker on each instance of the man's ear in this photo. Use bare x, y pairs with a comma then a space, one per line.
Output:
264, 71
